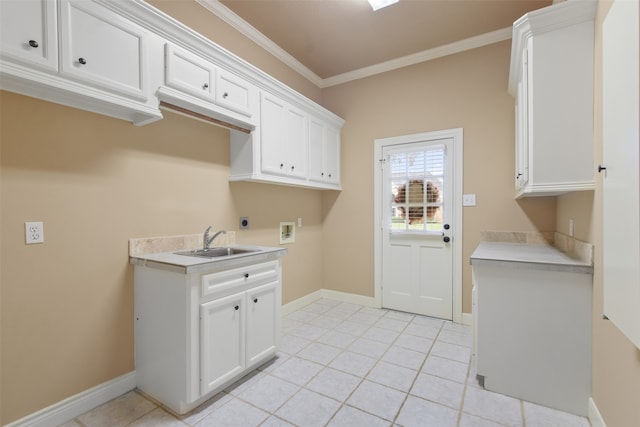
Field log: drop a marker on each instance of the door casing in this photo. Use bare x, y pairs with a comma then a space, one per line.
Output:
456, 220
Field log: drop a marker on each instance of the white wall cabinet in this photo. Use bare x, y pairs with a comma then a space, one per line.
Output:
197, 333
551, 78
324, 152
284, 137
29, 33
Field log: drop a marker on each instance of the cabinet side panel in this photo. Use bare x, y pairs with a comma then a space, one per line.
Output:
161, 304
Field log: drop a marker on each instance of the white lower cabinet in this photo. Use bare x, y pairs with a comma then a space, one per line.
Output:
197, 333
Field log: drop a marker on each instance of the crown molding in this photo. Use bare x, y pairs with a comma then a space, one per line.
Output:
227, 15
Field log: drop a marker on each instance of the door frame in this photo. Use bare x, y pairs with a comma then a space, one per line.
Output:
456, 220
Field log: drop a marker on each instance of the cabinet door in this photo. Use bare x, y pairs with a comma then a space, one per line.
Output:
317, 150
222, 341
297, 141
262, 325
273, 134
102, 48
28, 32
332, 150
233, 93
189, 73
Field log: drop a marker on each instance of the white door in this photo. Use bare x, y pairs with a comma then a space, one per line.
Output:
416, 218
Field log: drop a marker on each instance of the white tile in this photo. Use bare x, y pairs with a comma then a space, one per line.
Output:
457, 327
291, 344
269, 393
335, 384
346, 306
404, 357
158, 418
273, 363
301, 316
326, 322
382, 335
309, 332
328, 302
197, 414
541, 416
424, 331
71, 423
353, 328
273, 421
400, 315
453, 337
451, 351
372, 310
337, 339
446, 368
428, 321
118, 412
493, 406
289, 324
439, 390
467, 420
234, 414
308, 409
243, 383
319, 353
377, 399
297, 371
368, 319
417, 412
353, 363
393, 324
391, 375
368, 347
352, 417
316, 307
339, 314
413, 342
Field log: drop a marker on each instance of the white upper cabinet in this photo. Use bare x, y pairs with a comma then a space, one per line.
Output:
324, 152
102, 48
284, 138
189, 73
29, 32
551, 78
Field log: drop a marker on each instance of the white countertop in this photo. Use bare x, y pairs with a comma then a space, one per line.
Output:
534, 255
193, 264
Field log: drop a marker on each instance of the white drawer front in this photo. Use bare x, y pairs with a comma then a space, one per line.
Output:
238, 279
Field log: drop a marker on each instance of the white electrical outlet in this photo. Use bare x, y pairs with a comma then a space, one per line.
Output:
468, 200
34, 232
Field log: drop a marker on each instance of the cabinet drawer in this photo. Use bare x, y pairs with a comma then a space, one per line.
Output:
240, 278
189, 73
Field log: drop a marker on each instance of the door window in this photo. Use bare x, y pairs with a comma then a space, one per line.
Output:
416, 180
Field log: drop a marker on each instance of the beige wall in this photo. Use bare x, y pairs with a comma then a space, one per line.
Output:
467, 90
616, 361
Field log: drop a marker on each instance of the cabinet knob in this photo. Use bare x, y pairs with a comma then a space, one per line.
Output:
224, 95
205, 86
237, 307
255, 300
246, 275
33, 43
82, 61
281, 165
601, 168
292, 168
446, 239
329, 175
321, 173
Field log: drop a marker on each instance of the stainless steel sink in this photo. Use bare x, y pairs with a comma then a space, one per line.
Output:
217, 252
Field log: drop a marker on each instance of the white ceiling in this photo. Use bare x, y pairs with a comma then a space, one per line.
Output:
333, 41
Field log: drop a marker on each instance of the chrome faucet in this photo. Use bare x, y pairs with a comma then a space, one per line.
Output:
206, 240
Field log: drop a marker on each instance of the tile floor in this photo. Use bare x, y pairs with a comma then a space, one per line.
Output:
347, 365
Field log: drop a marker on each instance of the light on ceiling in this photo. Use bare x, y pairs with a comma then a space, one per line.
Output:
379, 4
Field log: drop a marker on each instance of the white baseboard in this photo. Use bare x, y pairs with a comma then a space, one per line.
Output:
467, 319
68, 409
297, 304
595, 418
